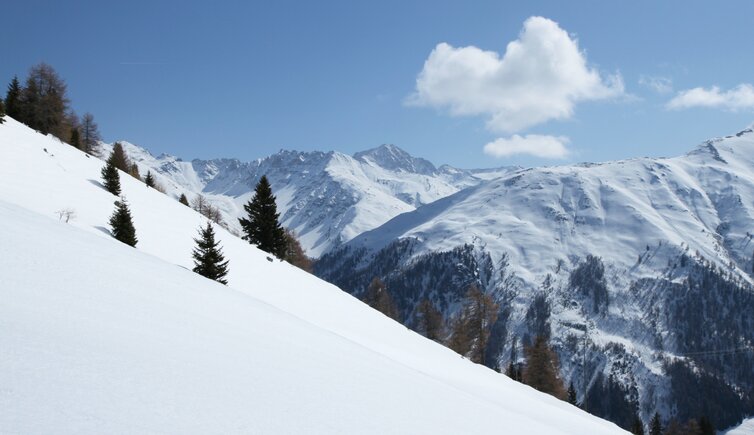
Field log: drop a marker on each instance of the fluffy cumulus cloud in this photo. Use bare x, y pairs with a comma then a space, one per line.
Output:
550, 147
540, 77
739, 98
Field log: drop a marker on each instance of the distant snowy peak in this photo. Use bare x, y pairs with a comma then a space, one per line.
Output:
392, 158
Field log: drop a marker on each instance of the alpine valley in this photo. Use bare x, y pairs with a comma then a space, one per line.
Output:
639, 272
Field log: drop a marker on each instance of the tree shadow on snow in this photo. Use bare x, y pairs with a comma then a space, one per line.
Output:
104, 230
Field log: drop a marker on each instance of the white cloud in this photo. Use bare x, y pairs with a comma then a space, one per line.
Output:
540, 77
738, 98
550, 147
661, 85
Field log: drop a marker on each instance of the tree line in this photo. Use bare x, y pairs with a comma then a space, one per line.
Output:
42, 103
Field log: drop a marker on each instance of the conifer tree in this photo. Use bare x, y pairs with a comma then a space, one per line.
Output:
655, 426
706, 427
134, 171
378, 297
75, 139
542, 369
149, 179
261, 226
2, 112
183, 200
429, 321
637, 428
111, 177
294, 253
119, 158
572, 394
45, 101
13, 100
90, 136
209, 261
471, 330
121, 224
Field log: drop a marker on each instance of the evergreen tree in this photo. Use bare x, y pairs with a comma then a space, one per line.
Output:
429, 321
2, 112
149, 179
706, 427
674, 428
542, 369
378, 297
13, 100
637, 428
261, 227
119, 158
471, 330
183, 200
294, 253
90, 136
121, 225
572, 394
75, 139
209, 261
111, 177
655, 426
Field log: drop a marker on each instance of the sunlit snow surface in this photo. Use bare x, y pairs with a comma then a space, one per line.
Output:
98, 337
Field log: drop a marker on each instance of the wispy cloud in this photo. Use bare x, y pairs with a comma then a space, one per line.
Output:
661, 85
739, 98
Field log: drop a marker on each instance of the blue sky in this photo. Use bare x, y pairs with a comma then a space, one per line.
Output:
244, 79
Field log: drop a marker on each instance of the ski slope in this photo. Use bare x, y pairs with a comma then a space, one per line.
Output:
98, 337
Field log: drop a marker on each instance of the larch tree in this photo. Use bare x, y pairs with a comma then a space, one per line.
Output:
471, 329
134, 171
261, 227
378, 297
183, 200
13, 100
119, 158
75, 139
90, 136
111, 177
209, 260
121, 223
542, 370
45, 99
429, 321
294, 253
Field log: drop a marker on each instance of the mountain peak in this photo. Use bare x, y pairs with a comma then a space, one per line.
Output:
391, 157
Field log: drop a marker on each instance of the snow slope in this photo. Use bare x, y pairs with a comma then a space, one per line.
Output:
326, 197
745, 428
98, 337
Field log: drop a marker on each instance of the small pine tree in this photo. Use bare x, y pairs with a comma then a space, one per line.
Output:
572, 394
637, 428
378, 297
149, 179
209, 261
13, 100
111, 177
261, 227
75, 139
183, 200
121, 224
655, 426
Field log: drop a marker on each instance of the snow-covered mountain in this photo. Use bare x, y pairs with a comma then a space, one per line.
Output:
98, 337
327, 198
651, 257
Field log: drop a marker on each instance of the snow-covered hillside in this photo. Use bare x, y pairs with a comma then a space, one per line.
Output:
745, 428
659, 230
327, 198
98, 337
